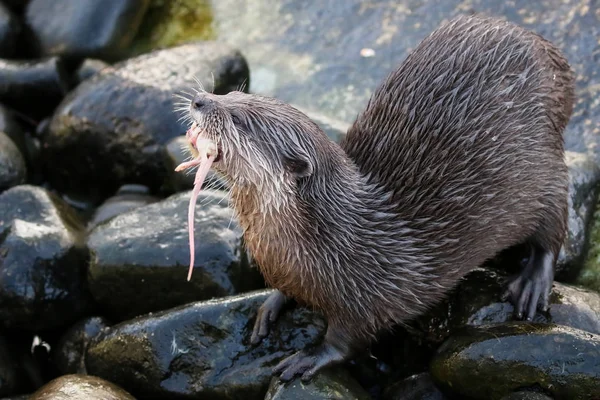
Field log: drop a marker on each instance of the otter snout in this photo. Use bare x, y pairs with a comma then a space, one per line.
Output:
202, 103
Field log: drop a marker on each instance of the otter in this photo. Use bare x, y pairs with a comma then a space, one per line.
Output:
457, 156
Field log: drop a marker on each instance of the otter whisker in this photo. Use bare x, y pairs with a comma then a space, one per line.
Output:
199, 84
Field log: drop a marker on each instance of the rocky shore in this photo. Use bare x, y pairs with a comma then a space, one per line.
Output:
94, 302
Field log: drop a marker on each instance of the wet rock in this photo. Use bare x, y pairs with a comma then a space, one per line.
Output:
11, 375
89, 68
76, 29
13, 170
201, 349
331, 383
42, 261
10, 29
590, 273
177, 152
584, 176
33, 87
332, 58
416, 387
476, 301
17, 6
127, 198
69, 353
113, 128
80, 387
140, 259
490, 362
526, 396
13, 129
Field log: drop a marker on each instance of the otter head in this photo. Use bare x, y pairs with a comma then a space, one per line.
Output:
258, 139
257, 143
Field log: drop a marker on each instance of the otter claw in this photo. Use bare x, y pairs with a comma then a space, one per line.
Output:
267, 314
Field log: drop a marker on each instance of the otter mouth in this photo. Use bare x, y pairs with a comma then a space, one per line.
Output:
206, 152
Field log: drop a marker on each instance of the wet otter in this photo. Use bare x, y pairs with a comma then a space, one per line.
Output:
457, 156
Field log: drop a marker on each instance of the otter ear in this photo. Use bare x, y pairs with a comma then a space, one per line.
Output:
299, 166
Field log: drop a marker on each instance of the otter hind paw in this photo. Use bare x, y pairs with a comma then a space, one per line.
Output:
307, 363
530, 290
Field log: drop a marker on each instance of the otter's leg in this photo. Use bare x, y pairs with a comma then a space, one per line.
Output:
531, 288
267, 314
335, 349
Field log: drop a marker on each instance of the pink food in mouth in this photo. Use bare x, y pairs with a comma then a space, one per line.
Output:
204, 162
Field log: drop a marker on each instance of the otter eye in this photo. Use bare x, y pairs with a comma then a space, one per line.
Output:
236, 120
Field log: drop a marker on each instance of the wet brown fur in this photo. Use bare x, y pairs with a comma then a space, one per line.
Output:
457, 156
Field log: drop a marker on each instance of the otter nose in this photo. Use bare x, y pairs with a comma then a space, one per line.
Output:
200, 102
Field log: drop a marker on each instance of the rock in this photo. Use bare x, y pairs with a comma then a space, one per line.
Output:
113, 128
590, 273
176, 153
13, 170
17, 6
476, 301
490, 362
22, 397
13, 129
526, 396
584, 176
33, 87
10, 29
89, 68
331, 59
11, 375
416, 387
75, 29
69, 353
80, 387
127, 198
140, 259
201, 350
333, 383
42, 261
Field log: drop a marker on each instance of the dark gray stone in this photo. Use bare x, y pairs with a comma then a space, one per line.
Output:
415, 387
42, 261
10, 29
476, 301
69, 353
201, 350
490, 362
88, 68
33, 87
113, 128
11, 374
80, 387
13, 129
526, 396
148, 271
13, 170
584, 176
78, 29
127, 198
331, 383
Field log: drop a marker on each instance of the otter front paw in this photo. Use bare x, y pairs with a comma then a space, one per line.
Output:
307, 363
267, 314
